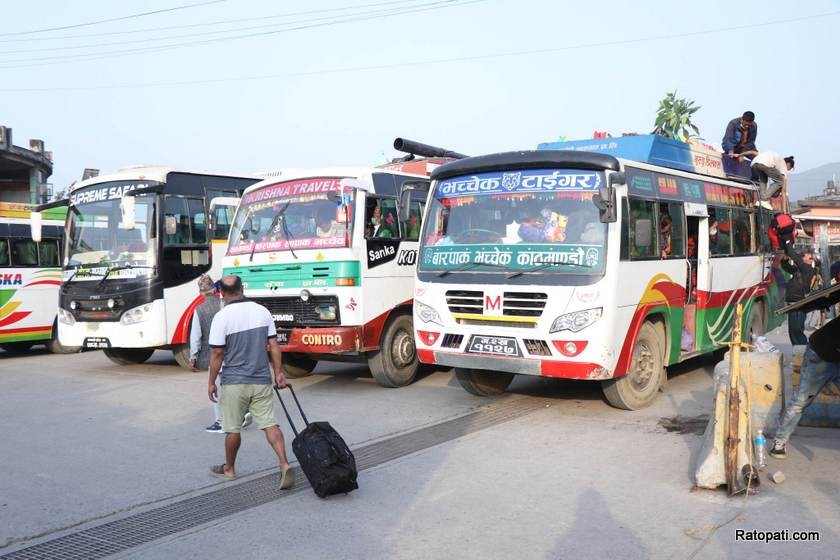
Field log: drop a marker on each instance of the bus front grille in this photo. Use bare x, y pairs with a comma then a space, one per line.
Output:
293, 311
515, 304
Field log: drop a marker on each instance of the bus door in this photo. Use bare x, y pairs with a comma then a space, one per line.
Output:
696, 274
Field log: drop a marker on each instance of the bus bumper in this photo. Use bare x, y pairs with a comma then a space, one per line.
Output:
148, 333
321, 340
525, 366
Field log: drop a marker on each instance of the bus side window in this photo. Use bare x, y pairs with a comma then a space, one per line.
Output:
48, 253
671, 230
741, 232
184, 221
223, 216
5, 260
381, 218
720, 232
411, 228
24, 252
625, 232
764, 218
643, 231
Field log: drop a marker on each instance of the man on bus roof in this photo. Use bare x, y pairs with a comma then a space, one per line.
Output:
740, 135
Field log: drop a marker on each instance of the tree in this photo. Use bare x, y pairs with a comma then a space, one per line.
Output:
673, 119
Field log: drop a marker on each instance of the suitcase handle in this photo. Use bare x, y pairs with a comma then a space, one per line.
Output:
286, 411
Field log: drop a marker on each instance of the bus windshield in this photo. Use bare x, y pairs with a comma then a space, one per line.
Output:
524, 221
98, 237
300, 214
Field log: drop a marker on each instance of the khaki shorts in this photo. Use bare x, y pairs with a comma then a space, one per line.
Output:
240, 398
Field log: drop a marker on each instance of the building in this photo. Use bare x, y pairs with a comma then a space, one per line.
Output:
820, 218
24, 172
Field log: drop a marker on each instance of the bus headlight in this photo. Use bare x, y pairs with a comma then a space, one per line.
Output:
136, 314
426, 313
576, 321
65, 317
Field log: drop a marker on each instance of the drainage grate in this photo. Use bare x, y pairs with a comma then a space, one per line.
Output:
141, 528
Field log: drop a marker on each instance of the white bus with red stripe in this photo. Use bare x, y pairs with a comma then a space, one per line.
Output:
136, 242
578, 265
324, 250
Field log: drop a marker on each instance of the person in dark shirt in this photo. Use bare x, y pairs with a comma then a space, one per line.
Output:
820, 364
802, 278
740, 135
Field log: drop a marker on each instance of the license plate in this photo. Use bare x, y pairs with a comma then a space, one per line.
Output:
283, 336
96, 342
496, 345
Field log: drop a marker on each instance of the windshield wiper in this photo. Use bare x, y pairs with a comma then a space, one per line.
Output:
120, 267
76, 271
281, 219
543, 266
466, 267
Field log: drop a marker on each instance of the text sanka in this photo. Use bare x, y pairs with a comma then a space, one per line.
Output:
11, 279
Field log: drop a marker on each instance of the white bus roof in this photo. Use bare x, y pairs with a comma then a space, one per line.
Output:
147, 173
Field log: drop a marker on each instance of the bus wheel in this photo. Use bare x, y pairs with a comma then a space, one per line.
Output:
126, 356
755, 326
638, 388
483, 383
181, 352
395, 364
16, 347
297, 365
56, 347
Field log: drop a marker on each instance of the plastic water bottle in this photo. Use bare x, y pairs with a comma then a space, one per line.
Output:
760, 448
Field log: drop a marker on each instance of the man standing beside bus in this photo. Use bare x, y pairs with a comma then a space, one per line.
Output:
238, 337
801, 280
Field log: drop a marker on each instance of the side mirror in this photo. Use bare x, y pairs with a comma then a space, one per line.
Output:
127, 207
171, 225
644, 228
405, 205
35, 226
604, 200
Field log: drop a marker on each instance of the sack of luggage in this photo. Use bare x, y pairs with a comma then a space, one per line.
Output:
323, 455
782, 230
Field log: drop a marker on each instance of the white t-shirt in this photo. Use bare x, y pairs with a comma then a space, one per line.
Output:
771, 159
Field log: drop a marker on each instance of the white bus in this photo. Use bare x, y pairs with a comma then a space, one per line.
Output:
136, 241
325, 252
581, 265
30, 275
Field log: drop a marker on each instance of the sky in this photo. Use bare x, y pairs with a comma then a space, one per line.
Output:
474, 76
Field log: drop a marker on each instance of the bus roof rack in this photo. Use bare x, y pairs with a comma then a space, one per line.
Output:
529, 159
666, 152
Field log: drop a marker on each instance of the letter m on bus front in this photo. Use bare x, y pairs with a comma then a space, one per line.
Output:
492, 303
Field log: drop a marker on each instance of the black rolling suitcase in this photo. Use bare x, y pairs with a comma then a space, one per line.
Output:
323, 455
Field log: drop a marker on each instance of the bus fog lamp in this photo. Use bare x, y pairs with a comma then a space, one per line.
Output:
65, 317
576, 321
426, 313
111, 303
326, 313
73, 305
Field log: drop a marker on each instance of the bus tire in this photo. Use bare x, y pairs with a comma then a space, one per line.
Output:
181, 353
395, 364
127, 356
483, 383
297, 365
638, 388
755, 324
54, 346
17, 347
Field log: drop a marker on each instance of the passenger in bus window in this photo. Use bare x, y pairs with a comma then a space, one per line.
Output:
665, 224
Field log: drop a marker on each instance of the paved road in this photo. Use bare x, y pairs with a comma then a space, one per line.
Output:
549, 471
